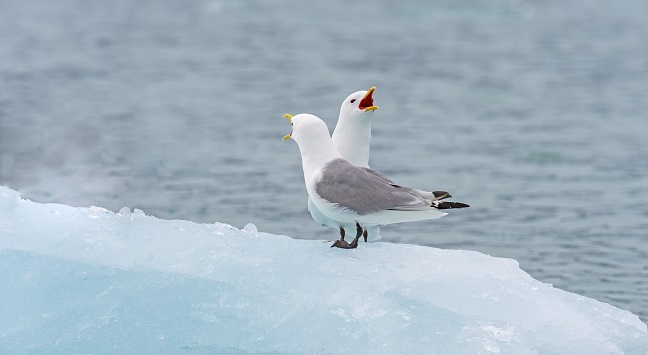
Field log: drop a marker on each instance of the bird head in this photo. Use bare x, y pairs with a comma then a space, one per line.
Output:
306, 127
358, 104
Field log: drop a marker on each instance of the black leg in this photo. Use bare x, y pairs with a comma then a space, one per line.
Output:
359, 232
364, 235
344, 244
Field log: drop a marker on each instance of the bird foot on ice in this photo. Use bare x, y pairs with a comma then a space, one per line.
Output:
354, 244
345, 245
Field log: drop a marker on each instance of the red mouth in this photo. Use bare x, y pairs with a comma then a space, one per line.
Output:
367, 100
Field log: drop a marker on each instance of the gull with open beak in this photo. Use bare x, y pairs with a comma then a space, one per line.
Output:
352, 139
356, 197
352, 135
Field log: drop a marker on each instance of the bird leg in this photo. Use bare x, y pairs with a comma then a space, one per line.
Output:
364, 235
359, 232
344, 244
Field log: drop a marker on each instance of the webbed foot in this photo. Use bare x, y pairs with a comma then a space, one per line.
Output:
343, 244
346, 245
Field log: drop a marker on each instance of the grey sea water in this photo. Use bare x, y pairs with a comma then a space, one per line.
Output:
533, 112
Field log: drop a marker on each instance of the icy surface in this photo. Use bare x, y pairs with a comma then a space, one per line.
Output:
90, 280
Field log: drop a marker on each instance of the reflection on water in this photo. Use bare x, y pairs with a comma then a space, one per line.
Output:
534, 113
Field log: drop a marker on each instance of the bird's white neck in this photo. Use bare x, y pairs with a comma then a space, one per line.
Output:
352, 137
316, 154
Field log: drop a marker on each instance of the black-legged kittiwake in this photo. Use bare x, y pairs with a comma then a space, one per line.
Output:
356, 196
352, 138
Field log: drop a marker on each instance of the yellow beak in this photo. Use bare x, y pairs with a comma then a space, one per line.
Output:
368, 94
289, 118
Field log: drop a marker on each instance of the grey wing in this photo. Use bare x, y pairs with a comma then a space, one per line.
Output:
364, 191
427, 196
378, 175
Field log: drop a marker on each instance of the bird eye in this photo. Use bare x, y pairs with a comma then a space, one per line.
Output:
352, 101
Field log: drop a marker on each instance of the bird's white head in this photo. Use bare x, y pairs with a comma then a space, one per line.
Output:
312, 137
358, 104
352, 134
307, 128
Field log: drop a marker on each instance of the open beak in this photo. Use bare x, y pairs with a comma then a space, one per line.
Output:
289, 118
366, 103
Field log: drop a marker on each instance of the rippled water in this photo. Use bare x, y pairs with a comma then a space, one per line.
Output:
535, 113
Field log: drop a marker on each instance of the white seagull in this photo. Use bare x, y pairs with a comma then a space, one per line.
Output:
352, 138
356, 196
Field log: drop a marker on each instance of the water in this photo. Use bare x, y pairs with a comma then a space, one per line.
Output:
534, 113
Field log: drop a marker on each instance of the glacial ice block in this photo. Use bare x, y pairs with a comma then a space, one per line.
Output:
89, 280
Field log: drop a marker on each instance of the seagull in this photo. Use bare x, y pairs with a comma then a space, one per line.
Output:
352, 138
356, 196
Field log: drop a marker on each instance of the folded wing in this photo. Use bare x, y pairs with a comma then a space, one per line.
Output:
365, 191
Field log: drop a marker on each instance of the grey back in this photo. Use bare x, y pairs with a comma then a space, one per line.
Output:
364, 190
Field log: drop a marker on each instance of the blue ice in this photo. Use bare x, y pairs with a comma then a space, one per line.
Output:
88, 280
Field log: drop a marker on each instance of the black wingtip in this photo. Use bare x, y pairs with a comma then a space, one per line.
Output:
440, 195
448, 205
